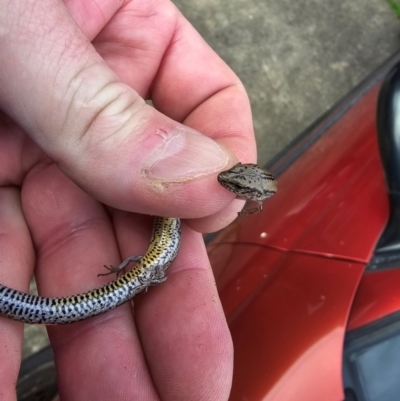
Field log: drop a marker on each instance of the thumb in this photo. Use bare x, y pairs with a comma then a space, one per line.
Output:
97, 129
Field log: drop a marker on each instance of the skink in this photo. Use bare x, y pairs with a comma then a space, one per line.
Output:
247, 181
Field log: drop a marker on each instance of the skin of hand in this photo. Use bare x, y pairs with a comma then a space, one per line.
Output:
87, 158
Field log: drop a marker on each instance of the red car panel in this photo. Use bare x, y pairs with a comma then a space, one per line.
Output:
377, 296
290, 333
287, 277
337, 181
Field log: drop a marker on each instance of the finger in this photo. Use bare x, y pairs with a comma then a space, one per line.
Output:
16, 264
173, 65
98, 130
184, 331
207, 95
181, 324
99, 358
187, 79
218, 220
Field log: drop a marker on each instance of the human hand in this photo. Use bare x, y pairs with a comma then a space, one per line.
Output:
89, 122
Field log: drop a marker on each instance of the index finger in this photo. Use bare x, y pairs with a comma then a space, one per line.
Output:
165, 59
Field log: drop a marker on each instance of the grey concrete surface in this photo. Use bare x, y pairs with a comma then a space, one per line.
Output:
296, 59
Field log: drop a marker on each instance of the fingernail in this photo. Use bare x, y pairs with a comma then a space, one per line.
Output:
183, 154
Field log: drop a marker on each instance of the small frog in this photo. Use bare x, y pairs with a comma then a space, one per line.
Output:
249, 182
